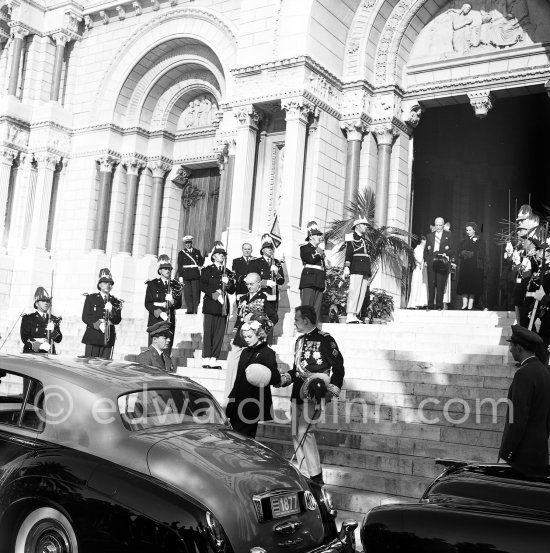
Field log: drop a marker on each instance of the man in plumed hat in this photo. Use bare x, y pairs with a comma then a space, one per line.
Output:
217, 282
316, 357
357, 266
190, 261
40, 329
157, 354
163, 297
100, 314
270, 271
524, 442
312, 280
241, 267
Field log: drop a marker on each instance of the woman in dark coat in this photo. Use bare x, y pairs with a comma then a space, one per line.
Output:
248, 404
471, 253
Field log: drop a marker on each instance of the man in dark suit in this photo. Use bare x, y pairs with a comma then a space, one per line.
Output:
524, 442
40, 329
101, 313
163, 297
190, 261
156, 355
270, 271
438, 254
312, 280
241, 267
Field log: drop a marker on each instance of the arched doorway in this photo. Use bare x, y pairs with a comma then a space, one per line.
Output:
466, 169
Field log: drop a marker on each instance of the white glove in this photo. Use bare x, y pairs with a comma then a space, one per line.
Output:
539, 294
50, 326
44, 346
221, 299
509, 249
180, 279
169, 298
270, 283
102, 327
225, 280
333, 390
108, 306
322, 246
346, 272
516, 258
163, 316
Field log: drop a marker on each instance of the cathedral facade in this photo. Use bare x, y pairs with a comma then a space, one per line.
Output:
126, 125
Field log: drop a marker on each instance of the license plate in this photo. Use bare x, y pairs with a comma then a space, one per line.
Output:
284, 505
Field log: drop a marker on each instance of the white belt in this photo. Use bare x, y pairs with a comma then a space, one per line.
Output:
361, 255
189, 266
309, 266
271, 297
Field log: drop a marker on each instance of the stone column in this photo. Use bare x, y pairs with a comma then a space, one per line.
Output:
61, 40
7, 155
106, 165
133, 167
222, 197
19, 35
42, 199
385, 135
159, 169
245, 150
355, 130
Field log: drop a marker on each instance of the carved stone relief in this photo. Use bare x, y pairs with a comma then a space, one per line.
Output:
18, 136
201, 112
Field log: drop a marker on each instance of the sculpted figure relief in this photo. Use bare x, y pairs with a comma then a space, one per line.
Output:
200, 112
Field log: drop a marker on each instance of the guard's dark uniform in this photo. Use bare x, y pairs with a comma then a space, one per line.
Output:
215, 313
92, 313
312, 280
269, 270
155, 303
33, 327
190, 260
241, 266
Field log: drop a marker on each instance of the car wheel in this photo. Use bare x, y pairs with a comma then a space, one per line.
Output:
46, 530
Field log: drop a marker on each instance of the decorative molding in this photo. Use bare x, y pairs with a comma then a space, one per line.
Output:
354, 129
120, 12
297, 108
138, 10
415, 111
17, 136
21, 30
384, 134
106, 163
182, 176
155, 5
47, 160
104, 17
159, 167
133, 164
88, 22
357, 34
7, 155
481, 101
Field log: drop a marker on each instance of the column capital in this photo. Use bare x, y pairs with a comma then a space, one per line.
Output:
159, 168
247, 116
481, 101
384, 134
47, 160
297, 108
61, 38
133, 165
7, 155
18, 30
354, 129
106, 163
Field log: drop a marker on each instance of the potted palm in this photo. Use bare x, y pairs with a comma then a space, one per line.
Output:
335, 294
380, 307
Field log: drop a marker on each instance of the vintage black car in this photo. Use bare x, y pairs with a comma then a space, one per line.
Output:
103, 456
470, 508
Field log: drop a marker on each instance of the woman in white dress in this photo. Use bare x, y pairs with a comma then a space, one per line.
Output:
419, 283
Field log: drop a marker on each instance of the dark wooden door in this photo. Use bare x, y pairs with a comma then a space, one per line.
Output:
199, 208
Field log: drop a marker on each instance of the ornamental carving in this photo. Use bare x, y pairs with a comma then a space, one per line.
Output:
354, 129
201, 112
17, 136
413, 117
182, 176
481, 101
191, 195
247, 115
106, 163
297, 107
385, 134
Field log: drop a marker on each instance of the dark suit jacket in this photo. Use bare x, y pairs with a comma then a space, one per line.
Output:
241, 268
312, 278
190, 258
33, 326
211, 281
153, 358
93, 311
446, 246
156, 293
525, 437
263, 268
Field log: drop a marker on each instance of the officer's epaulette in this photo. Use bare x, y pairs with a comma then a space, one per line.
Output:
303, 244
322, 333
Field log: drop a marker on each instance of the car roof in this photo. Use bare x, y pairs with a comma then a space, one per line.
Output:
93, 374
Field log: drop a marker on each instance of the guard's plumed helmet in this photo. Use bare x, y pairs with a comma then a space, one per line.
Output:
164, 262
41, 295
313, 230
105, 276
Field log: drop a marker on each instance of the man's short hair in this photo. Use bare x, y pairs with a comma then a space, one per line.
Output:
307, 312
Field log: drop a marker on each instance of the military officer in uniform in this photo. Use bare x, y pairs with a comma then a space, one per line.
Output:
100, 314
312, 280
40, 329
357, 267
524, 442
241, 267
156, 355
316, 355
163, 297
190, 261
217, 282
270, 271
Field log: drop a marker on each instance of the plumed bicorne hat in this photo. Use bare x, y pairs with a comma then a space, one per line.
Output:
164, 262
105, 276
315, 387
41, 295
218, 248
267, 242
313, 230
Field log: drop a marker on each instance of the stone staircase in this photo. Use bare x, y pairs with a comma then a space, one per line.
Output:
426, 385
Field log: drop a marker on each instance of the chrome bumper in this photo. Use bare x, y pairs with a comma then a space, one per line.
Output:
344, 543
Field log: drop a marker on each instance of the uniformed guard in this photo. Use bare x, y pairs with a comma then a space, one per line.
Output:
163, 297
316, 357
357, 266
40, 329
101, 312
157, 354
312, 280
241, 267
217, 282
190, 262
270, 271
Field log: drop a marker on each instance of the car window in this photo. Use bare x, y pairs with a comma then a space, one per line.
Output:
21, 401
161, 407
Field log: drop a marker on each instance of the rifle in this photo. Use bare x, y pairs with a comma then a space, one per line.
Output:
49, 318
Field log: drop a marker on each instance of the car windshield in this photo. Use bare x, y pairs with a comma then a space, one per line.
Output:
162, 407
